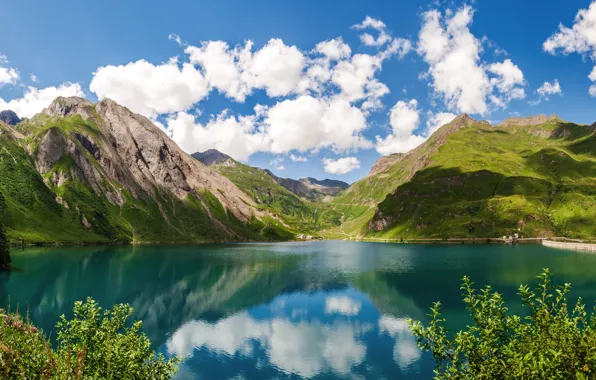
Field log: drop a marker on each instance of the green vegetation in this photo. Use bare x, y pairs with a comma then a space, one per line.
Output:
551, 342
4, 253
95, 344
473, 180
298, 213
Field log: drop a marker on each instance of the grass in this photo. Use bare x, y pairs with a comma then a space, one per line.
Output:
483, 181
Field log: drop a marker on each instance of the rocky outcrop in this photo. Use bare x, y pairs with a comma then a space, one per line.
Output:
385, 162
9, 117
528, 121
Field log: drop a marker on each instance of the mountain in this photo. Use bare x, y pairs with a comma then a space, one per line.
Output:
83, 172
309, 188
211, 157
272, 194
9, 117
535, 176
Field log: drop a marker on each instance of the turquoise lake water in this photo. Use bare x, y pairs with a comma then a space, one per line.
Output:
320, 310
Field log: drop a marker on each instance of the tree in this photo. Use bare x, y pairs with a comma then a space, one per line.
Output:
551, 342
4, 249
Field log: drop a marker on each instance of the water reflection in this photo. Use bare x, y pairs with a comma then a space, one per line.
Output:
322, 310
332, 335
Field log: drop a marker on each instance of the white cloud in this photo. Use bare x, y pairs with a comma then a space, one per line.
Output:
3, 58
33, 78
8, 75
341, 166
237, 137
405, 351
580, 38
176, 38
325, 95
295, 158
277, 163
151, 89
404, 119
307, 123
546, 90
370, 22
437, 120
334, 49
342, 305
276, 68
35, 100
304, 349
456, 71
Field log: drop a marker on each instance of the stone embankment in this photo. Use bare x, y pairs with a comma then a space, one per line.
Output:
575, 246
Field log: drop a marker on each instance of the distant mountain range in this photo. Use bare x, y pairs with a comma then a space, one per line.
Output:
305, 187
89, 173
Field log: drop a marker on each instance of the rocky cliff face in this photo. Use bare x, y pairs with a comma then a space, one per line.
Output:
9, 117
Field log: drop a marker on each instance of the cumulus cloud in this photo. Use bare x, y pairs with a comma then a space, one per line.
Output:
341, 166
580, 38
35, 100
33, 78
342, 305
456, 71
323, 96
304, 349
151, 89
307, 123
546, 90
404, 119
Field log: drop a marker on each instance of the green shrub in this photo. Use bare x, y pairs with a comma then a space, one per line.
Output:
553, 341
95, 344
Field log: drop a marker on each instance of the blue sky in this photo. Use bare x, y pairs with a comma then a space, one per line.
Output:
68, 45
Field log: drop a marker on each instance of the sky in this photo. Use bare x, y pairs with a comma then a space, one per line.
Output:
309, 88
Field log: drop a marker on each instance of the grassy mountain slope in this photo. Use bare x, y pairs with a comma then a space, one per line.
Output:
300, 214
534, 176
68, 176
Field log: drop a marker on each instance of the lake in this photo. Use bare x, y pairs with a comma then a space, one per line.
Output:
322, 310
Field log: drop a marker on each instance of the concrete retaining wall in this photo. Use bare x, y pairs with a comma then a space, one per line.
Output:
572, 246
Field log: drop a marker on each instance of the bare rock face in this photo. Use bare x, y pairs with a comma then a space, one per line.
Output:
62, 106
154, 159
385, 162
528, 121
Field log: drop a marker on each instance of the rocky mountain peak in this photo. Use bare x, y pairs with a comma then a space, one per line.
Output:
528, 120
67, 106
211, 157
9, 117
